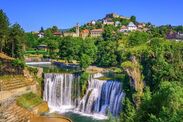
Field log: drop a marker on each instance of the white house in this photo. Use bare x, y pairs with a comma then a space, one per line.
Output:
93, 22
40, 35
132, 27
117, 23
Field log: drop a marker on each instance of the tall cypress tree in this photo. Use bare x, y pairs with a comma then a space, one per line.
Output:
4, 23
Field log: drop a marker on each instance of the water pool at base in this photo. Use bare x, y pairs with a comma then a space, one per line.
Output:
79, 118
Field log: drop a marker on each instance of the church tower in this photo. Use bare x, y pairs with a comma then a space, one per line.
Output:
77, 29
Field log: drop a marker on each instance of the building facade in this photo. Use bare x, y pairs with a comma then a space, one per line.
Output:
96, 32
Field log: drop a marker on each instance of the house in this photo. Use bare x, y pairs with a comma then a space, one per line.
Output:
171, 35
108, 21
179, 36
42, 47
124, 29
40, 34
96, 32
132, 27
84, 33
72, 34
57, 34
141, 26
93, 22
175, 36
117, 23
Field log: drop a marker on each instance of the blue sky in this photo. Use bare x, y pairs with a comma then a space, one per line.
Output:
32, 14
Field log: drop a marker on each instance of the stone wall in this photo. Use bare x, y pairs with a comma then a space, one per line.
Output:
4, 95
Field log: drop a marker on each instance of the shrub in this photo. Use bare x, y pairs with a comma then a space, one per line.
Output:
29, 100
18, 63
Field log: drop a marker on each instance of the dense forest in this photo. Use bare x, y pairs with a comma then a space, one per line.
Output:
151, 65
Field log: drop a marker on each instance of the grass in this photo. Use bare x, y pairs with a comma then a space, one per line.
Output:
105, 78
29, 100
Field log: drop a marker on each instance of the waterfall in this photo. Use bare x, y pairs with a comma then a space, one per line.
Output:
61, 91
58, 91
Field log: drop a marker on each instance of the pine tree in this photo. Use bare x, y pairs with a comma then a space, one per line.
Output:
16, 40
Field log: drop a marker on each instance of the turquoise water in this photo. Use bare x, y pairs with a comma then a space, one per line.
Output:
79, 118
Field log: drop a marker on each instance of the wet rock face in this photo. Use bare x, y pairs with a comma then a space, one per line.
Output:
136, 79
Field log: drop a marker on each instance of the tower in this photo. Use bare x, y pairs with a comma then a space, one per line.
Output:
77, 29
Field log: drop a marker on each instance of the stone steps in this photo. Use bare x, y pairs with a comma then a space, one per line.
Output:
15, 85
15, 113
16, 81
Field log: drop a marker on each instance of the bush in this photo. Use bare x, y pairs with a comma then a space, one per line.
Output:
29, 100
33, 70
83, 82
137, 38
18, 63
128, 64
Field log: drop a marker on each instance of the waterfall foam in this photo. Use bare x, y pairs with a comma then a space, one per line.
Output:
58, 91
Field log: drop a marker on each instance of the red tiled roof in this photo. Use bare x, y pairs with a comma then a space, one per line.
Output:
57, 33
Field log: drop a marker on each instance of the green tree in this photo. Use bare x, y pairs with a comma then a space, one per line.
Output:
133, 19
41, 30
83, 83
106, 55
52, 46
137, 38
88, 47
55, 29
69, 48
4, 23
109, 33
31, 40
165, 105
129, 112
16, 41
85, 61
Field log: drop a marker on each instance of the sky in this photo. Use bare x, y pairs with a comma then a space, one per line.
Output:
34, 14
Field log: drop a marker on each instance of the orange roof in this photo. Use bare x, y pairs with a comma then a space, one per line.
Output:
85, 31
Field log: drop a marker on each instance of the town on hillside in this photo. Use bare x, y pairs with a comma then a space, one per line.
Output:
95, 28
111, 69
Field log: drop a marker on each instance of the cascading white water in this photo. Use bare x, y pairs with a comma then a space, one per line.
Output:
58, 91
101, 96
92, 94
